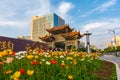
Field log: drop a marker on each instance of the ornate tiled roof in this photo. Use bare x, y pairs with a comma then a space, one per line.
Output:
47, 38
73, 35
68, 36
60, 29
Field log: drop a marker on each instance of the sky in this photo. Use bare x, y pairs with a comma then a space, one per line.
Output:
95, 16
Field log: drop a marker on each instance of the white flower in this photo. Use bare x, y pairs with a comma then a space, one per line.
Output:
61, 56
20, 54
82, 59
48, 63
43, 60
45, 55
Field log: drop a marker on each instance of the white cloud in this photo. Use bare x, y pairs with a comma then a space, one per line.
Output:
43, 8
94, 25
103, 7
100, 31
64, 8
106, 5
103, 24
18, 14
18, 24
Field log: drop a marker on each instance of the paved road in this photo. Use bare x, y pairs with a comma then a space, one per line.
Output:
115, 60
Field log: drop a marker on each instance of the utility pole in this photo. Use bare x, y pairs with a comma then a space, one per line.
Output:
88, 41
113, 31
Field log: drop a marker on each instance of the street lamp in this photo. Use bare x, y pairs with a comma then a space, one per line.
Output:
88, 41
113, 31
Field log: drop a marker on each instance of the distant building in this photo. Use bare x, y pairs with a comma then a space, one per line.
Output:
39, 25
112, 43
24, 37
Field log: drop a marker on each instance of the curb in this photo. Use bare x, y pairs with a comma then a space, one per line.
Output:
117, 68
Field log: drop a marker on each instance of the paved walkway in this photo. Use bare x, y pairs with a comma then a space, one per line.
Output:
115, 60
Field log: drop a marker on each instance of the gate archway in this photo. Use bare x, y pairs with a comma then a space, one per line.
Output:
60, 45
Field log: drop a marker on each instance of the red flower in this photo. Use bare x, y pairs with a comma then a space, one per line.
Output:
13, 53
38, 51
1, 63
53, 61
35, 62
22, 71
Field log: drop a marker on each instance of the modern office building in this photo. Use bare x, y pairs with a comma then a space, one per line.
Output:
39, 25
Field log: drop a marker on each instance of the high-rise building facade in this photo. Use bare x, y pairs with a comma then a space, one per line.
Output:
39, 25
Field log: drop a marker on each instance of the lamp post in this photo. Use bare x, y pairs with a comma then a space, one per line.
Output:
113, 31
88, 41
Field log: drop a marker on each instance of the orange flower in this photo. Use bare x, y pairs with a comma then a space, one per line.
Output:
63, 64
8, 71
95, 56
82, 55
13, 53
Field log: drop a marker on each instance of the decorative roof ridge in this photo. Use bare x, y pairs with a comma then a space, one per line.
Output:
46, 36
71, 33
57, 27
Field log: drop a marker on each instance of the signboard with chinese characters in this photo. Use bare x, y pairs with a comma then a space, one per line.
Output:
19, 44
6, 45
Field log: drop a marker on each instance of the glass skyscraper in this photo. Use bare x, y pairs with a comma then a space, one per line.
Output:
39, 25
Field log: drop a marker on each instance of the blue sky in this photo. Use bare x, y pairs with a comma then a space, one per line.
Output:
95, 16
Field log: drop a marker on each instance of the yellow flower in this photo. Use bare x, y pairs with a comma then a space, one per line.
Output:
0, 54
70, 77
15, 75
16, 78
36, 57
69, 58
30, 72
5, 53
40, 62
30, 56
66, 66
8, 71
49, 56
74, 62
9, 51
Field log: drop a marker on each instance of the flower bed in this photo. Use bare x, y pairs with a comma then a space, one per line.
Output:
39, 65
